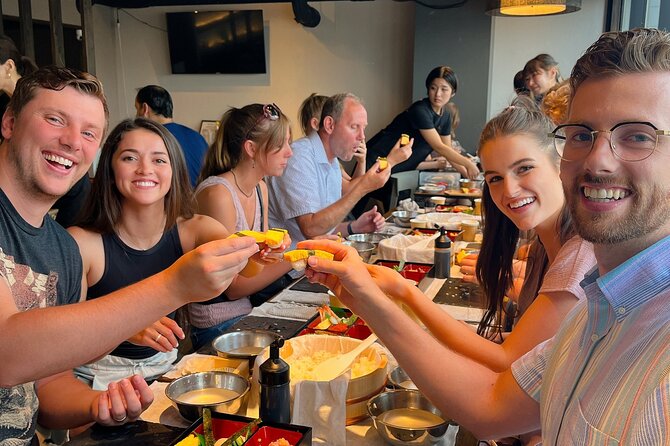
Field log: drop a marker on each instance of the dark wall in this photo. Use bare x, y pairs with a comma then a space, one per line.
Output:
461, 39
42, 38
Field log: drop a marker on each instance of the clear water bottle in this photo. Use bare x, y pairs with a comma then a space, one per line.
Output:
442, 255
275, 403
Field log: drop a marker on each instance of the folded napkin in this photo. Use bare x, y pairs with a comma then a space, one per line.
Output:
408, 205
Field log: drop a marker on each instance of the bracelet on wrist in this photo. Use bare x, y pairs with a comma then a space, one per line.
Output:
349, 229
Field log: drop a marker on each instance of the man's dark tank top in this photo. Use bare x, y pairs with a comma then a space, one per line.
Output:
125, 265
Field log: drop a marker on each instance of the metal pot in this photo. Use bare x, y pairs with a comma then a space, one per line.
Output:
243, 344
401, 436
209, 380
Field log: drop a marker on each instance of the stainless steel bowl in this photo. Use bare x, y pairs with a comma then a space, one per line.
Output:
402, 218
207, 380
400, 379
364, 249
242, 344
371, 237
402, 435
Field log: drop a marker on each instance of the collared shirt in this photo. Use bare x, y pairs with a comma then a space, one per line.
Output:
310, 183
604, 378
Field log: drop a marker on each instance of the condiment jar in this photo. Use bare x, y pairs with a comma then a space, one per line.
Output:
442, 260
274, 377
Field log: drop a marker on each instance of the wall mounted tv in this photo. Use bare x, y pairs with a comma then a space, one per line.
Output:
228, 42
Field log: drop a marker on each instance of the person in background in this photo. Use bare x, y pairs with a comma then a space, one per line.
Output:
252, 143
519, 83
540, 74
13, 65
137, 222
429, 123
308, 198
604, 377
155, 103
52, 129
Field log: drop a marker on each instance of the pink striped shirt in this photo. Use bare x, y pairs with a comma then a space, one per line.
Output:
604, 379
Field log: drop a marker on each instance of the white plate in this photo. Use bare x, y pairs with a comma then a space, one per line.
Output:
450, 220
431, 188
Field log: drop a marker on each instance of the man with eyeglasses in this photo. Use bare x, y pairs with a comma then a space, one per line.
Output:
308, 199
604, 378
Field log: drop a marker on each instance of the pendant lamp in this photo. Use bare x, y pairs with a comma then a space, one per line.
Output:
525, 8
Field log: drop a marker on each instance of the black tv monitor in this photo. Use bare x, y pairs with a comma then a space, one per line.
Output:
228, 42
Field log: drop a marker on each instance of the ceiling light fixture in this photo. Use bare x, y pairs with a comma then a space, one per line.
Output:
525, 8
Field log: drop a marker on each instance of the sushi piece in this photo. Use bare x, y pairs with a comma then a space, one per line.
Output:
383, 163
298, 257
274, 237
404, 139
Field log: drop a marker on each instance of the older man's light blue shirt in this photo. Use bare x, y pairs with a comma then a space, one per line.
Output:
310, 183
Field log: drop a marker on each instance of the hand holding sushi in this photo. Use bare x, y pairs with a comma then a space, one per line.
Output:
400, 152
345, 274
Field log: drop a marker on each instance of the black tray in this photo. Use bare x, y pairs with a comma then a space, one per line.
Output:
461, 294
305, 285
286, 328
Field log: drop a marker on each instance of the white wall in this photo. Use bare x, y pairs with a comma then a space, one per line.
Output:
515, 40
358, 46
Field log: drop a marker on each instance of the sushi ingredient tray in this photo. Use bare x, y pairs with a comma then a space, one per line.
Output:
261, 434
460, 293
410, 270
343, 323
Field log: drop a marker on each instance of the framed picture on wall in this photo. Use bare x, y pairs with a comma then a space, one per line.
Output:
208, 130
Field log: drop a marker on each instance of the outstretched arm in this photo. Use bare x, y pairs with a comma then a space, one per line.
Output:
442, 145
540, 322
487, 403
89, 329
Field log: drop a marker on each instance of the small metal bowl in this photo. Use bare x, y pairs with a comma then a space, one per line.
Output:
402, 435
242, 344
402, 218
209, 380
401, 380
371, 237
364, 249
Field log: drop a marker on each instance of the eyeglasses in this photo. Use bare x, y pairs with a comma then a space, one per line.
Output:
270, 112
629, 141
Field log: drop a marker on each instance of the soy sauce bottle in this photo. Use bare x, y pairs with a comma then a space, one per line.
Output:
275, 403
442, 258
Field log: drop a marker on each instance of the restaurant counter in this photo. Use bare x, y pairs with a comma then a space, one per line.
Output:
161, 423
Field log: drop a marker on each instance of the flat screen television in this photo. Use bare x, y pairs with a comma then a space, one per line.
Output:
228, 42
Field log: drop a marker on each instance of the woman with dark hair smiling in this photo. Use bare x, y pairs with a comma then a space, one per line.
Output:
429, 123
137, 222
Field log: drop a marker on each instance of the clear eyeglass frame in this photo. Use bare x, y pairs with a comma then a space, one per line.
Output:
624, 140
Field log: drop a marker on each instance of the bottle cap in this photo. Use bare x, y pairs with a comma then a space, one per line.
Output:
274, 371
443, 241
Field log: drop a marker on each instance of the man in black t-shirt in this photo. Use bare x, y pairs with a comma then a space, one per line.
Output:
51, 131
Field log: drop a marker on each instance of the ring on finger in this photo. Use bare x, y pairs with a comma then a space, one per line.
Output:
125, 417
158, 337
